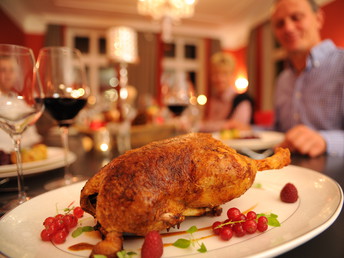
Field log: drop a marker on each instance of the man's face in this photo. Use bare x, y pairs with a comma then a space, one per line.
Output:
296, 25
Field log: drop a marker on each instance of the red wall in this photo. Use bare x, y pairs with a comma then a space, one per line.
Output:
334, 22
12, 34
240, 56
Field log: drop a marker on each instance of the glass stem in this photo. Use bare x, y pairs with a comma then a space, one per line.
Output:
17, 149
64, 137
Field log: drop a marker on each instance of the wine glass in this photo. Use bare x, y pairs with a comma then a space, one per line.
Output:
176, 97
63, 77
20, 103
177, 94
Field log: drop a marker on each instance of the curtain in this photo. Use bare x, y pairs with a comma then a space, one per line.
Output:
54, 35
143, 74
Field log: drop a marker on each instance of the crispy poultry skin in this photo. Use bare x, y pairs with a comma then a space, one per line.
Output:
154, 187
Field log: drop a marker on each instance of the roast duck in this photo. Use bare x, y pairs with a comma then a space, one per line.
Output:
156, 186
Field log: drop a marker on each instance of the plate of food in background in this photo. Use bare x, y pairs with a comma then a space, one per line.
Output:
253, 140
36, 159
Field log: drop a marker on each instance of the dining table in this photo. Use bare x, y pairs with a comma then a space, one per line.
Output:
329, 243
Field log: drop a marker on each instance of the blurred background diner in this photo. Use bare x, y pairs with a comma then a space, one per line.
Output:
227, 108
225, 67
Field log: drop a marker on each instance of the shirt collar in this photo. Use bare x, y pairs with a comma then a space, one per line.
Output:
319, 53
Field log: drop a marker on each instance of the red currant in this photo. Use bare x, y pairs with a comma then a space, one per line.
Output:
232, 213
263, 219
45, 235
262, 224
78, 212
59, 237
262, 227
250, 226
70, 221
241, 217
59, 216
215, 229
48, 221
59, 224
251, 215
226, 233
238, 230
51, 229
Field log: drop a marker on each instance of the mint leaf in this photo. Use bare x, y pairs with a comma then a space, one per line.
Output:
77, 232
192, 229
87, 229
258, 185
273, 221
202, 249
182, 243
124, 254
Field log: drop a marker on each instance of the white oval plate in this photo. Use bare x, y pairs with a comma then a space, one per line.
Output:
320, 203
54, 160
266, 140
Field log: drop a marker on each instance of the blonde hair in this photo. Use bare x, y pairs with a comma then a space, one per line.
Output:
224, 61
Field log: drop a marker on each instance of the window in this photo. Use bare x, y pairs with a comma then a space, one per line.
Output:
185, 55
82, 43
92, 44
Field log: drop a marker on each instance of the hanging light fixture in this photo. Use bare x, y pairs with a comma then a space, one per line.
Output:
122, 44
168, 11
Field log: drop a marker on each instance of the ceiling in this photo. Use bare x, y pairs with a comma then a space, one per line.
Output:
228, 20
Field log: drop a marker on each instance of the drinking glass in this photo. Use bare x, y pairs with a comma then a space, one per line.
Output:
177, 95
63, 78
20, 103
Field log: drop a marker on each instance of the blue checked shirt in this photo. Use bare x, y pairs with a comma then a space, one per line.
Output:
315, 98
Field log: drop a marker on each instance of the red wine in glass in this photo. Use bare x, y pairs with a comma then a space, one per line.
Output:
63, 110
177, 109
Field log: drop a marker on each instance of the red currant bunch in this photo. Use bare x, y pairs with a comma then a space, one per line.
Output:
56, 229
239, 224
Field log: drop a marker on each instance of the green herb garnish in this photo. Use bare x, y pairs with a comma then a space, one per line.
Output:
125, 254
185, 243
80, 230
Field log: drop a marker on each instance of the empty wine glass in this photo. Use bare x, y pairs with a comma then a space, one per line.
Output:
65, 88
20, 103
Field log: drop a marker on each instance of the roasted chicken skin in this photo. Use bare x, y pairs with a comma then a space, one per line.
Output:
154, 187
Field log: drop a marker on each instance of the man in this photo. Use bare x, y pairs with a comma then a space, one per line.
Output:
310, 91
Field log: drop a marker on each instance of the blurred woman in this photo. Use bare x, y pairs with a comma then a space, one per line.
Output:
227, 109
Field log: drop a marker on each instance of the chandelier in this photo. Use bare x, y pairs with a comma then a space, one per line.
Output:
168, 11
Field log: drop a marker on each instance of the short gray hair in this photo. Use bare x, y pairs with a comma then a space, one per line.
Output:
312, 4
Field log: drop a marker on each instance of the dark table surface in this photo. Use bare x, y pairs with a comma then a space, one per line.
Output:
329, 243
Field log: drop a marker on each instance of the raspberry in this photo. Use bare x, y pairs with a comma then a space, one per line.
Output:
289, 193
152, 246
